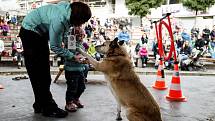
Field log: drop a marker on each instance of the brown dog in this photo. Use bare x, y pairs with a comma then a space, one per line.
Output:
124, 83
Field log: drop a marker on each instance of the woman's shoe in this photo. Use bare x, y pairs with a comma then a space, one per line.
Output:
37, 108
78, 103
54, 112
71, 107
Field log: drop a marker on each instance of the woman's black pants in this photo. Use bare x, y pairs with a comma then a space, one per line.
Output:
36, 55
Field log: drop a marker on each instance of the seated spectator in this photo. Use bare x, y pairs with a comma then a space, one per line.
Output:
194, 33
93, 23
7, 17
102, 32
92, 50
17, 51
14, 20
108, 23
200, 43
143, 54
156, 54
144, 38
185, 35
5, 29
136, 54
206, 34
179, 42
155, 50
97, 38
212, 34
124, 36
185, 52
88, 30
122, 23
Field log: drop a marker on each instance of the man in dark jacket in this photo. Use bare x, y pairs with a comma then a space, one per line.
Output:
206, 35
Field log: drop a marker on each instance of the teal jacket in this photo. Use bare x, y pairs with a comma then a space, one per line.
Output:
71, 64
54, 20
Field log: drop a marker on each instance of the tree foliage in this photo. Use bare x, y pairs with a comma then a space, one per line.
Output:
142, 7
198, 5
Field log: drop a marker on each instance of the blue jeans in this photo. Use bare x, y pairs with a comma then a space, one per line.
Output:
144, 59
75, 81
212, 52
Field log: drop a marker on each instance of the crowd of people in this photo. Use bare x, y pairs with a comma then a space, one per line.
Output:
6, 24
189, 45
193, 44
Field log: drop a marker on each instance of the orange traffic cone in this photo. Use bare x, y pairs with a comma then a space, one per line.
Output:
160, 82
175, 93
1, 87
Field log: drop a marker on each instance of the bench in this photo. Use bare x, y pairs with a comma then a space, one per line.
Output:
138, 61
8, 60
208, 59
53, 60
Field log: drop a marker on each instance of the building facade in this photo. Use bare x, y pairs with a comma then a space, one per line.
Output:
116, 8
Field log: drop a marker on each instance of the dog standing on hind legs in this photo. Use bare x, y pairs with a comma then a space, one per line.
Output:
124, 83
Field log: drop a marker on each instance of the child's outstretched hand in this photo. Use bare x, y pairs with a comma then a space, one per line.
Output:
79, 58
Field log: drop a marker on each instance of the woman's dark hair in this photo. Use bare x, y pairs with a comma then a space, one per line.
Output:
80, 13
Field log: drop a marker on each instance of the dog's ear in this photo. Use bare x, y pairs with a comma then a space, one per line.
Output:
114, 43
121, 42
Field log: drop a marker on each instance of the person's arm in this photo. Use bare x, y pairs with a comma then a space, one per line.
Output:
56, 32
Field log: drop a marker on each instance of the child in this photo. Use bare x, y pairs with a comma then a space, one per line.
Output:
143, 54
74, 74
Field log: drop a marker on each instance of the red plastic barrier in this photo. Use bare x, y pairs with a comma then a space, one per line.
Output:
158, 30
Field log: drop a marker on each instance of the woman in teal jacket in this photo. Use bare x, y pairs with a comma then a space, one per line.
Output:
50, 22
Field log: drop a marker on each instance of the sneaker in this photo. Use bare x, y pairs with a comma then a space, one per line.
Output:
1, 87
78, 103
54, 112
71, 107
